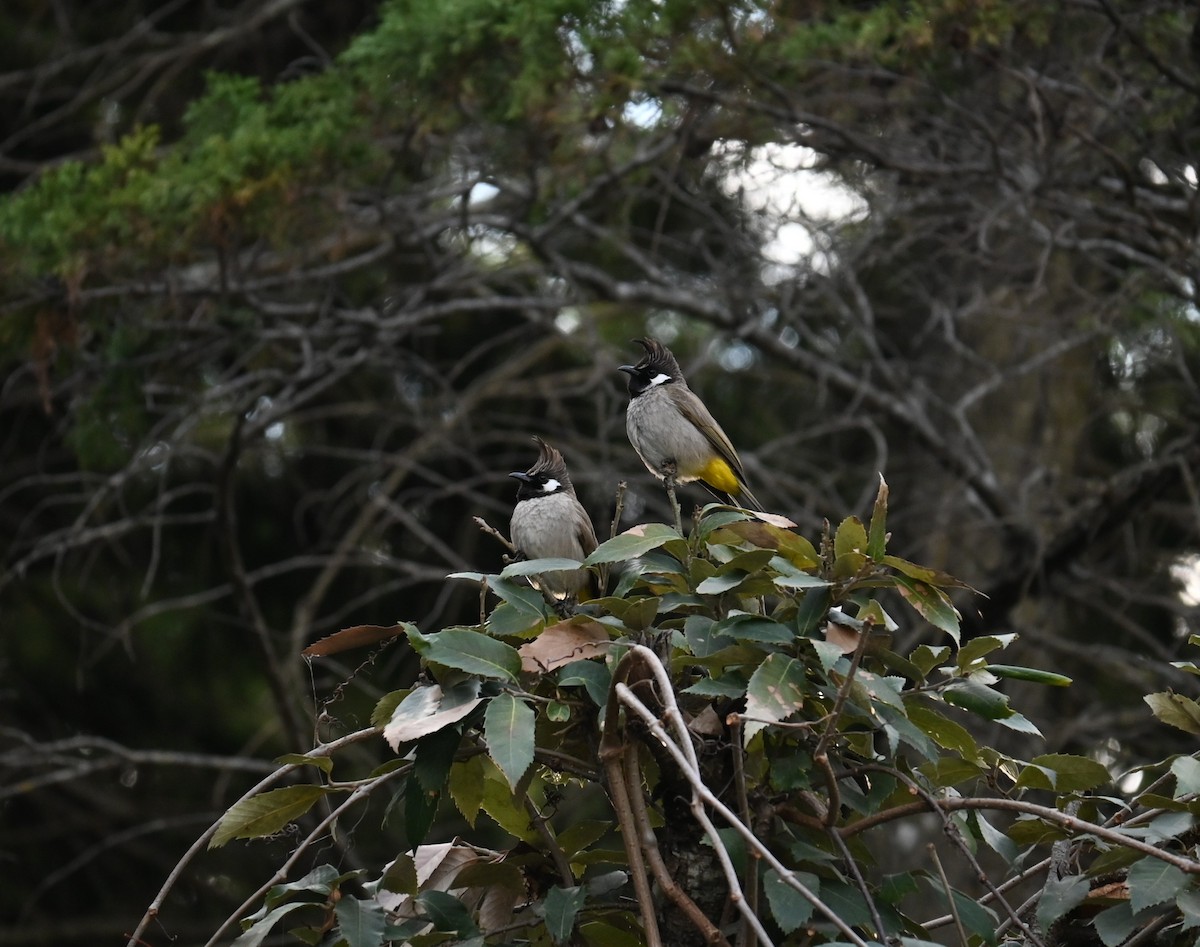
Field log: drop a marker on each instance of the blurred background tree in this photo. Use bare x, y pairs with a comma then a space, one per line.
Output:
286, 289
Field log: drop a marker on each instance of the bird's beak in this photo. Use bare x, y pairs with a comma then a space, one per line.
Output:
520, 475
627, 369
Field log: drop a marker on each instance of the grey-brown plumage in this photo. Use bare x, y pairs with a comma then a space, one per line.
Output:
675, 434
549, 522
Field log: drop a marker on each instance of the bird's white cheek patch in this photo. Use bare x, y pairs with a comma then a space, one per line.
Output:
550, 486
659, 379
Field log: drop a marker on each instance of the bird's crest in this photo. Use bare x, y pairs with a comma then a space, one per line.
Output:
658, 359
550, 465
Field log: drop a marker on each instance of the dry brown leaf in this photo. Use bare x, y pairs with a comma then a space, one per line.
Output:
845, 637
357, 636
575, 639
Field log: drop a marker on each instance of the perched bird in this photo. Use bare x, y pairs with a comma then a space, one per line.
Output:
549, 521
675, 434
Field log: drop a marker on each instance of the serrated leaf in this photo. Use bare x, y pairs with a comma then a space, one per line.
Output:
508, 731
632, 543
1186, 770
1176, 710
386, 706
425, 711
1152, 881
420, 809
978, 699
850, 537
1113, 925
594, 677
323, 763
527, 567
501, 804
788, 906
1188, 902
466, 787
775, 692
1062, 772
931, 604
446, 912
561, 907
944, 731
360, 922
468, 651
1059, 897
996, 840
321, 880
266, 813
877, 537
257, 932
744, 627
724, 582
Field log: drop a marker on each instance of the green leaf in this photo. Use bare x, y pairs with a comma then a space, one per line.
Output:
468, 651
945, 732
699, 631
1113, 925
996, 840
800, 580
360, 922
420, 809
508, 731
594, 677
745, 627
257, 932
716, 584
323, 763
1186, 770
729, 684
927, 658
428, 709
775, 691
266, 813
1048, 678
602, 934
976, 648
850, 537
1059, 897
527, 567
632, 543
1176, 710
788, 906
978, 699
1062, 772
466, 787
561, 906
386, 706
1153, 881
931, 604
877, 538
447, 913
321, 880
1188, 902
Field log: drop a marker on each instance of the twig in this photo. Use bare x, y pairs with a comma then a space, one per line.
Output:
962, 931
201, 843
633, 782
747, 938
618, 509
495, 533
610, 755
685, 755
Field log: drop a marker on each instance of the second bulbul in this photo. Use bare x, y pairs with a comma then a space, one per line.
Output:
675, 434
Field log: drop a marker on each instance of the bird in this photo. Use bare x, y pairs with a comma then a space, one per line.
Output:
549, 522
675, 435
